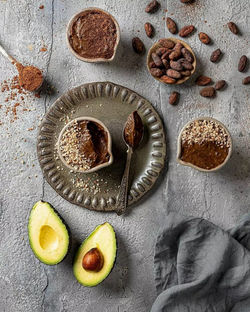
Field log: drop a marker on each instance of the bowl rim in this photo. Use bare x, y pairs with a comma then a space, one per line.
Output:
186, 45
194, 166
111, 158
98, 59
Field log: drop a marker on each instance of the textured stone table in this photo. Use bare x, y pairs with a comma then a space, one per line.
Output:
30, 286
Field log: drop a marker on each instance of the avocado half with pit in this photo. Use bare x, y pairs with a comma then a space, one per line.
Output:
48, 235
95, 258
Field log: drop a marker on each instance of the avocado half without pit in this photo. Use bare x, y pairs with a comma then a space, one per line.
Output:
95, 258
48, 235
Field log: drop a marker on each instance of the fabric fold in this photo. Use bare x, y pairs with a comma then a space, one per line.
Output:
200, 267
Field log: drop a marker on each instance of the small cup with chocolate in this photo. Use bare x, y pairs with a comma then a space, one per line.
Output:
93, 35
84, 145
204, 144
171, 61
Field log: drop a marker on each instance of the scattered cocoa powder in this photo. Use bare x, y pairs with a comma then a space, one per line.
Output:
41, 7
30, 77
14, 98
43, 49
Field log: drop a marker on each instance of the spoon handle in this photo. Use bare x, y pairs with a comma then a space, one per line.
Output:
8, 56
122, 200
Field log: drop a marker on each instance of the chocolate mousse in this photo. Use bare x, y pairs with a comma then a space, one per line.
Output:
205, 144
84, 145
93, 34
133, 130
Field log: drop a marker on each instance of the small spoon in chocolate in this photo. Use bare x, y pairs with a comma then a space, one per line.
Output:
132, 135
30, 77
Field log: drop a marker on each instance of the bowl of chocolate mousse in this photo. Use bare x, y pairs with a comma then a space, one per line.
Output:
204, 144
93, 35
84, 145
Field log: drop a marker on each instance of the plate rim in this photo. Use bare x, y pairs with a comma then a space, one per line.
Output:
92, 90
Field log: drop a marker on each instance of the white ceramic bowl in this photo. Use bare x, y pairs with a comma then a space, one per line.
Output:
193, 166
98, 167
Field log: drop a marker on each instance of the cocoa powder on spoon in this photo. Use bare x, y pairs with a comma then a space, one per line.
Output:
30, 77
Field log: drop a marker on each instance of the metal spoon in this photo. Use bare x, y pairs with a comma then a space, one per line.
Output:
8, 56
132, 143
13, 60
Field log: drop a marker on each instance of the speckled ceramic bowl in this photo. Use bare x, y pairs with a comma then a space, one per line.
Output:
92, 60
193, 166
157, 45
109, 145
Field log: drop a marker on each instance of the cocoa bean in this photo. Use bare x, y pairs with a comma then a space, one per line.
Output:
187, 55
246, 80
215, 56
174, 97
203, 80
165, 63
220, 84
138, 45
176, 65
156, 59
156, 72
166, 43
173, 74
149, 29
207, 92
166, 55
242, 63
175, 55
171, 25
187, 65
152, 7
186, 73
186, 31
152, 65
186, 1
160, 51
167, 79
204, 38
233, 28
178, 47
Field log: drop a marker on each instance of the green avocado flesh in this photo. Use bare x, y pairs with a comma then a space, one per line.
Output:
48, 236
103, 238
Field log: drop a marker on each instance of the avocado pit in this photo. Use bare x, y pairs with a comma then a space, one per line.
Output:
93, 260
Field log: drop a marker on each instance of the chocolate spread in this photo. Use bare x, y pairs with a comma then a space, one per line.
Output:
133, 130
205, 144
93, 35
93, 143
206, 155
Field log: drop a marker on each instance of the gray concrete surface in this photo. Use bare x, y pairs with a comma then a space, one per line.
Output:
222, 197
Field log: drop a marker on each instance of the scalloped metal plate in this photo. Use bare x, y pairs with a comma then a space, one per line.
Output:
110, 103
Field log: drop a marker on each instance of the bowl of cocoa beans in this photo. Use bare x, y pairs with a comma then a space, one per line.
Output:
171, 61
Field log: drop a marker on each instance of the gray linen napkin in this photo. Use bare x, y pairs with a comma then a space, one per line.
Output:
201, 268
